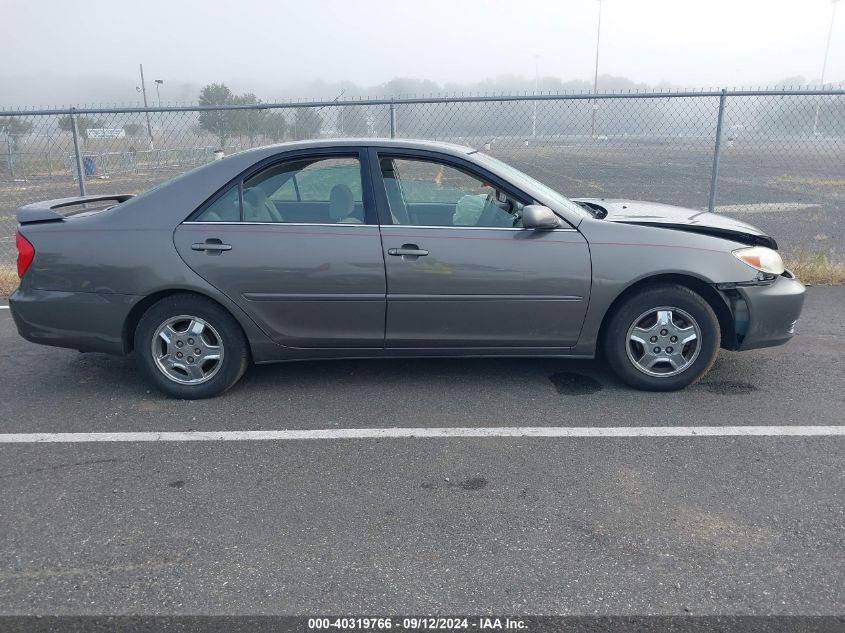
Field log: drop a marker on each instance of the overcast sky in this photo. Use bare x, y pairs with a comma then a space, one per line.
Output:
702, 43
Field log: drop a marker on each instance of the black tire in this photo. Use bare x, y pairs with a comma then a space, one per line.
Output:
616, 344
221, 375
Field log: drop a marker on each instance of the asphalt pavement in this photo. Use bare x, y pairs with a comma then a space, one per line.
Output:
645, 525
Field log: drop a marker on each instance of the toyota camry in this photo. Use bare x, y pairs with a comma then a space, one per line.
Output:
382, 248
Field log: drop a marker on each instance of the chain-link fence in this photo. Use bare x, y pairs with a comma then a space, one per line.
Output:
773, 158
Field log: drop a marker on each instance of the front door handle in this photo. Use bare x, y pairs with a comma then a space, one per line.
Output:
213, 246
407, 250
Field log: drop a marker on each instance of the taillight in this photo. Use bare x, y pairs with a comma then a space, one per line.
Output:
26, 253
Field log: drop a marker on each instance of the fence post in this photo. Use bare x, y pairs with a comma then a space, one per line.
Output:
714, 174
392, 118
11, 157
80, 168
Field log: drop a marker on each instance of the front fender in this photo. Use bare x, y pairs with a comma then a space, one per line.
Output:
624, 255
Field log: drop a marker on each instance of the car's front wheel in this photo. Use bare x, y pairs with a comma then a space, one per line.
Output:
663, 338
190, 347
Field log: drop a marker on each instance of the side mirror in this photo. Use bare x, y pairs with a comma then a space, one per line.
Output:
536, 216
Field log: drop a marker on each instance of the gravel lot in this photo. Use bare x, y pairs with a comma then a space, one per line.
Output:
794, 191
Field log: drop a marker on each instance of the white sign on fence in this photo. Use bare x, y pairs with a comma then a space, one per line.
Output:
105, 132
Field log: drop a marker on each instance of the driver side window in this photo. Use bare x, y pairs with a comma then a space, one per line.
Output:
430, 193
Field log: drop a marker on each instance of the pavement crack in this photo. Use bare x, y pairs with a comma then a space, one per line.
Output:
87, 462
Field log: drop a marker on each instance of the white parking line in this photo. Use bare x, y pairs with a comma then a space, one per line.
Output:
4, 307
422, 432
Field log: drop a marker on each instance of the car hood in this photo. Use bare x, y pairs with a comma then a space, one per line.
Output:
679, 218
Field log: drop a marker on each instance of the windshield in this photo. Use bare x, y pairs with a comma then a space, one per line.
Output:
523, 180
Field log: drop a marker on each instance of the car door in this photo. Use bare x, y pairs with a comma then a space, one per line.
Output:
461, 271
295, 243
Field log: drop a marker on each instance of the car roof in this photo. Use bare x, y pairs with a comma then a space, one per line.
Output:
449, 148
188, 191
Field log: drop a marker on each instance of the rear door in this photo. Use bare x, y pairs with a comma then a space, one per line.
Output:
296, 244
461, 270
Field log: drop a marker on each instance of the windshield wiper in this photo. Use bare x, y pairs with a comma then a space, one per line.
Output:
596, 210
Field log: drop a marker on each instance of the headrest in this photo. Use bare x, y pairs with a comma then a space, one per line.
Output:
341, 202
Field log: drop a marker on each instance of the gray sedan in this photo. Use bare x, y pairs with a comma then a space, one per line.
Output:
377, 248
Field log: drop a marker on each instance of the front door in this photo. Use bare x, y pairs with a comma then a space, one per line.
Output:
297, 246
463, 273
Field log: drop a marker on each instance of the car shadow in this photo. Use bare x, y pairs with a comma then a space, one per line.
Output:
567, 375
451, 378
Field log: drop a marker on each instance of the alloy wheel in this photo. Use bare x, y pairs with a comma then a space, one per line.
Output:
663, 341
187, 350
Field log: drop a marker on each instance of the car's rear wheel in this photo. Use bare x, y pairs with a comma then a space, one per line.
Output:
663, 338
190, 347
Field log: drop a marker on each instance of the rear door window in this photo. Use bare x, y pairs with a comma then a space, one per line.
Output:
314, 190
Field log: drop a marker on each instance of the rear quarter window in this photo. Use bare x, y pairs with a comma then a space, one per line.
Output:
227, 208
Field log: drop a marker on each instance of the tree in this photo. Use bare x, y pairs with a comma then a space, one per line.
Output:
15, 128
217, 122
273, 126
133, 129
227, 123
404, 86
83, 124
307, 123
247, 123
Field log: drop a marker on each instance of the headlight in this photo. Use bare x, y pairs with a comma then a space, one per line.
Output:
761, 258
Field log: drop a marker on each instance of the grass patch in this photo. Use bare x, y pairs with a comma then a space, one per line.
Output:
818, 182
816, 268
8, 280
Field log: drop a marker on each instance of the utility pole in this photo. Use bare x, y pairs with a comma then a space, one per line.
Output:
80, 164
11, 158
824, 66
144, 92
596, 75
340, 110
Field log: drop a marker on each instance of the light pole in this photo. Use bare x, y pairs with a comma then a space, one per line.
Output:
158, 83
824, 65
596, 74
144, 92
158, 94
340, 110
536, 87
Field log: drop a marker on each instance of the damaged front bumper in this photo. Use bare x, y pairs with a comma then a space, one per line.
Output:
765, 313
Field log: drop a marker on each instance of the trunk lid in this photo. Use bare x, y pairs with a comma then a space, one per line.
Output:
46, 211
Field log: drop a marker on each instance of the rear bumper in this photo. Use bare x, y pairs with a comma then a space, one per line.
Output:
86, 321
772, 312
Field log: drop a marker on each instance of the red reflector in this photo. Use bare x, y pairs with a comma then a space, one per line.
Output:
25, 253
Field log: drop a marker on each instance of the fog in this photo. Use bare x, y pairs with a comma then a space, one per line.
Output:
74, 52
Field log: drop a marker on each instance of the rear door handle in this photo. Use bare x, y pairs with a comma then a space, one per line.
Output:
407, 250
212, 245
